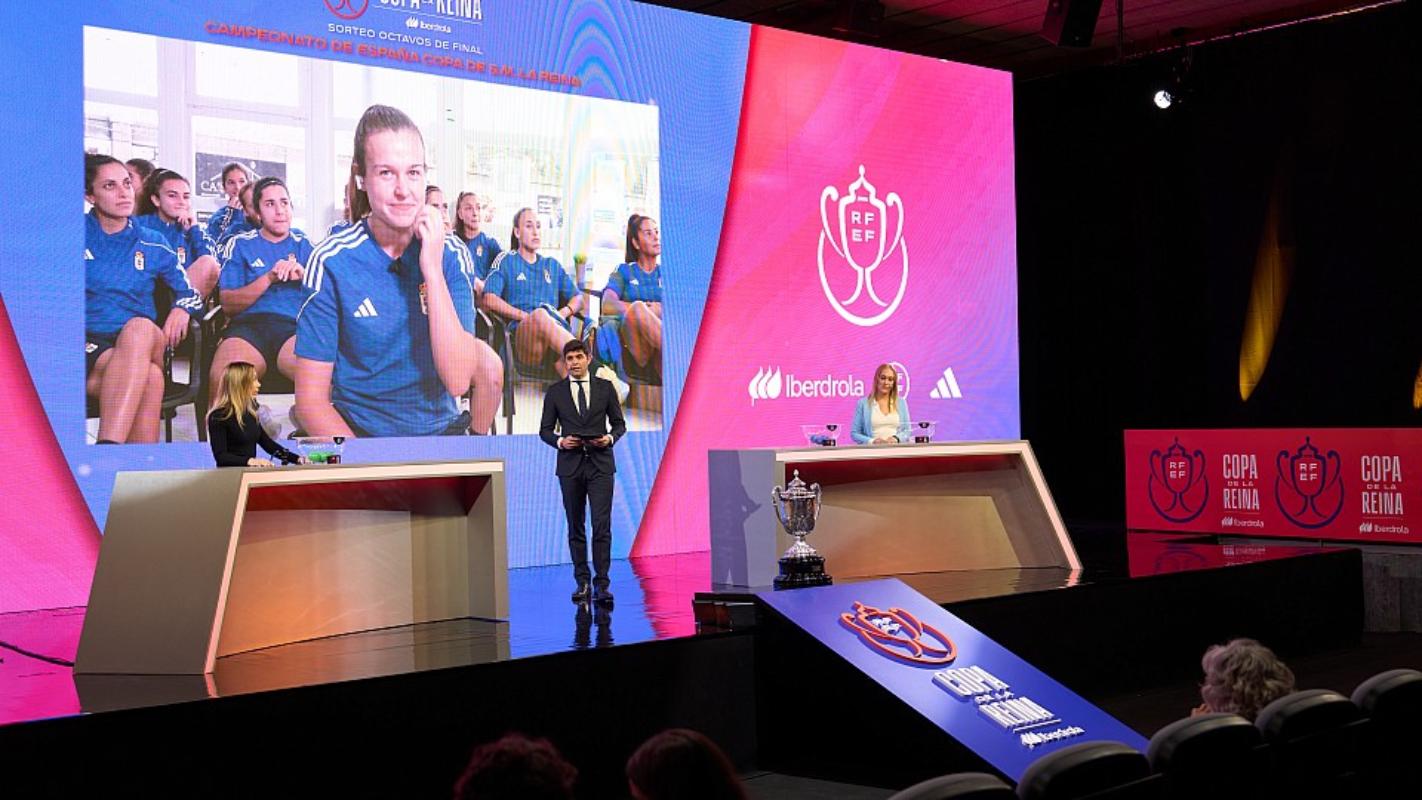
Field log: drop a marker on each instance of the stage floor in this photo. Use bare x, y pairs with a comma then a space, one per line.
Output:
654, 601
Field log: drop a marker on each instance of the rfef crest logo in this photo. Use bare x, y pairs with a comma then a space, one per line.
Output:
347, 9
900, 372
1309, 487
900, 635
1178, 486
858, 231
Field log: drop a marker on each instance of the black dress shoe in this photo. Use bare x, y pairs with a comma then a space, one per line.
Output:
583, 593
602, 596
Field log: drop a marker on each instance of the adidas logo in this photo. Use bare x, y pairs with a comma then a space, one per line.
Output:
947, 387
520, 277
259, 263
88, 256
365, 309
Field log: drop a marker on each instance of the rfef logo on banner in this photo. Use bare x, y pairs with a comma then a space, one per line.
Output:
900, 635
347, 9
1178, 486
901, 372
856, 227
1309, 488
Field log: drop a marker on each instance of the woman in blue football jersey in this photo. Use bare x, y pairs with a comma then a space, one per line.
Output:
246, 221
166, 207
234, 177
261, 289
123, 343
633, 297
534, 294
482, 247
385, 341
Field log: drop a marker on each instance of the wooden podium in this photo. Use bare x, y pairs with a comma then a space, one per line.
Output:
198, 564
888, 510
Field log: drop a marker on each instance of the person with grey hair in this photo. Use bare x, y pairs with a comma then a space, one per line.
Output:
1241, 677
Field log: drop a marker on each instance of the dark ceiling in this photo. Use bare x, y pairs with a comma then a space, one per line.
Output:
1003, 34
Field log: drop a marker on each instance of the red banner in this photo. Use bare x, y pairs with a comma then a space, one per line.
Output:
1346, 484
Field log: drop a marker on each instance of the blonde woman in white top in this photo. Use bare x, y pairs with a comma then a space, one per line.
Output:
883, 416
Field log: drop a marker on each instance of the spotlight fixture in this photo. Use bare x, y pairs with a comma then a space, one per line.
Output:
858, 19
1174, 91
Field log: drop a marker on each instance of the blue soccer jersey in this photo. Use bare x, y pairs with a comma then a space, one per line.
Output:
336, 227
189, 245
368, 315
238, 225
527, 286
251, 255
222, 219
121, 271
632, 284
483, 248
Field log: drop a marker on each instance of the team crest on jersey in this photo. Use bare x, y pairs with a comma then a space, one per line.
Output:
182, 256
138, 260
424, 300
479, 251
547, 278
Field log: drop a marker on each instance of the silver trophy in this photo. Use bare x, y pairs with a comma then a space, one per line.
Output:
797, 506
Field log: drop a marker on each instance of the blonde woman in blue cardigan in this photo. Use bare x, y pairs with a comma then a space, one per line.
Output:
882, 417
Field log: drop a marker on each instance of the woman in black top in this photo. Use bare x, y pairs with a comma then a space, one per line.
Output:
233, 428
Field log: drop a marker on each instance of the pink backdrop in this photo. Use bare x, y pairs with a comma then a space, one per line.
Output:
937, 135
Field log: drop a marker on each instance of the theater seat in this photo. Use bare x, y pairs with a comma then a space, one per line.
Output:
1104, 769
1215, 755
1313, 740
1392, 703
962, 786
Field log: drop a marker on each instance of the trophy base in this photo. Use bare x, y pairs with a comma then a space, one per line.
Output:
798, 573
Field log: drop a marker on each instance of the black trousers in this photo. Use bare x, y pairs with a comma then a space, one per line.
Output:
587, 487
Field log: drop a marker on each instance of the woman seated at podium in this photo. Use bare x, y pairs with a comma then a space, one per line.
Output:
233, 428
882, 417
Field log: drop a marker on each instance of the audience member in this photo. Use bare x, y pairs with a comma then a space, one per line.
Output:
516, 768
681, 764
1241, 677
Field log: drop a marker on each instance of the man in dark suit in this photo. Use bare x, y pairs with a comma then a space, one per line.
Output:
583, 419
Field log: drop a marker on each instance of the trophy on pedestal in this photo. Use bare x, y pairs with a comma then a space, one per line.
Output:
797, 506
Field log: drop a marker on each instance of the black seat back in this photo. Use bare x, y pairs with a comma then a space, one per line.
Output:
1082, 770
1220, 755
962, 786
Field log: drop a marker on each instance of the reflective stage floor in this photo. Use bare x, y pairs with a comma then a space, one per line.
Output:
654, 602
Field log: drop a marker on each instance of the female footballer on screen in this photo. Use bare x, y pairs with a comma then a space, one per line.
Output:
123, 344
166, 207
534, 294
482, 247
261, 289
385, 341
633, 297
234, 177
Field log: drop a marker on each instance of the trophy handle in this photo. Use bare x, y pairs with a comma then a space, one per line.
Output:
777, 504
819, 497
832, 195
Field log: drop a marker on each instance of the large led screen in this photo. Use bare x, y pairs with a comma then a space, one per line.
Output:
805, 210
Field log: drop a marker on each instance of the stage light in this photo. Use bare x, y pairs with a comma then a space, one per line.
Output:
1164, 99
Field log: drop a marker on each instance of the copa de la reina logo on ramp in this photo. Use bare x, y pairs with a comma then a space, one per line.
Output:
861, 248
